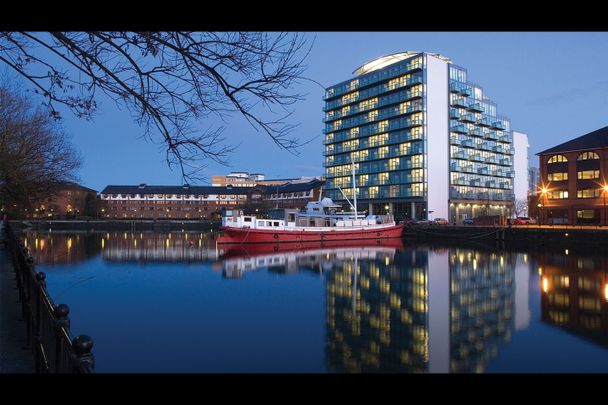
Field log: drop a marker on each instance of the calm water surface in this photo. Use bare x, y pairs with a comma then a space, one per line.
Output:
169, 302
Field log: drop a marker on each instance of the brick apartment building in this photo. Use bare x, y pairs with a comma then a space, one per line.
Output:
202, 202
63, 200
573, 177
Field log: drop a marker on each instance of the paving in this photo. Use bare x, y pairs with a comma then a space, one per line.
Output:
14, 356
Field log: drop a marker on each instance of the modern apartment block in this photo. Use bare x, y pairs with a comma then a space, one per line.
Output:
425, 141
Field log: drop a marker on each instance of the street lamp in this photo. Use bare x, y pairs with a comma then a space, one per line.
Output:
543, 192
605, 188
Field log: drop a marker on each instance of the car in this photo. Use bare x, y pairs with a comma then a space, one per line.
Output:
424, 222
410, 222
524, 221
467, 221
440, 221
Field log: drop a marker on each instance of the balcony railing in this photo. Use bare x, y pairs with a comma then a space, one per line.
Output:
476, 132
468, 118
475, 107
498, 125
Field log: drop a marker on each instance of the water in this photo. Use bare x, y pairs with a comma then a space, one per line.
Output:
169, 302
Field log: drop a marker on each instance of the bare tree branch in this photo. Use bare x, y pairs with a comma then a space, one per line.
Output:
169, 81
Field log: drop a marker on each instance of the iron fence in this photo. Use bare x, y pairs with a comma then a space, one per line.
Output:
48, 324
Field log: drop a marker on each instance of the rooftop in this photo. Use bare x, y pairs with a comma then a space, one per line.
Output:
593, 140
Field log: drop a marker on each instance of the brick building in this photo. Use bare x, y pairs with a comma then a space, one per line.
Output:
202, 202
63, 200
573, 178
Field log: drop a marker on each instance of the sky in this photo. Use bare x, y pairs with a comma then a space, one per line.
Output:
552, 85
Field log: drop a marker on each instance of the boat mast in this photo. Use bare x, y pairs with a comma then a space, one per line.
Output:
354, 189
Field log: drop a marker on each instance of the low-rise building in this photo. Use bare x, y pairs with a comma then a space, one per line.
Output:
63, 200
573, 186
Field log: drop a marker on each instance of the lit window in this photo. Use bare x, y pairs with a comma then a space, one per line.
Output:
557, 176
557, 159
588, 156
588, 174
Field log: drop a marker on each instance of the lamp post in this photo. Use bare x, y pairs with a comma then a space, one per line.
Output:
605, 188
543, 192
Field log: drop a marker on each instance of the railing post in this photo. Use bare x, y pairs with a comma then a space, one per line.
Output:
82, 345
41, 281
61, 312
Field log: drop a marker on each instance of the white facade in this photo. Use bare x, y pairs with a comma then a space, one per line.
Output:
438, 155
521, 184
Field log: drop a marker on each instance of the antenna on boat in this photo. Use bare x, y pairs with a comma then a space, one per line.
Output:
352, 207
352, 163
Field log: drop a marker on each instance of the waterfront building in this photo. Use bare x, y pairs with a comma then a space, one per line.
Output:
521, 181
245, 179
425, 141
62, 200
202, 202
574, 184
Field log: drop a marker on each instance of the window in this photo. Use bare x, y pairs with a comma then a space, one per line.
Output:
557, 159
588, 156
588, 174
588, 193
557, 195
558, 176
585, 214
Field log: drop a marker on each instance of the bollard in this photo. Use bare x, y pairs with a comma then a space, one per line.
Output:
60, 312
82, 345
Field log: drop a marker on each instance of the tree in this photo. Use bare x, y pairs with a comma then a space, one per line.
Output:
521, 207
35, 153
168, 81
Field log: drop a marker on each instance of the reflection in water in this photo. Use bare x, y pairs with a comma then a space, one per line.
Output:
388, 307
62, 248
575, 293
69, 247
426, 311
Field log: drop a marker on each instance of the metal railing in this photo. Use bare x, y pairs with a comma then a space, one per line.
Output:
48, 325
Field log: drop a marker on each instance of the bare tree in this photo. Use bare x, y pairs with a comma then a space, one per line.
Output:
169, 81
521, 208
35, 154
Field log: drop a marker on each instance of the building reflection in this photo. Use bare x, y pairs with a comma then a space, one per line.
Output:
158, 247
574, 293
61, 248
427, 310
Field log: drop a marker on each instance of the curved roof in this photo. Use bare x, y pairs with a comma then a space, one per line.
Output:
384, 61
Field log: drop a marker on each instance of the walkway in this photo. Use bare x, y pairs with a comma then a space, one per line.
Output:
14, 358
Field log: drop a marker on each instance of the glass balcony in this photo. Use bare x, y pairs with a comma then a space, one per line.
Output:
491, 159
476, 132
468, 143
475, 182
505, 138
484, 122
482, 170
454, 140
468, 169
461, 155
455, 167
498, 125
491, 135
465, 91
490, 183
475, 107
505, 162
460, 102
468, 118
455, 87
454, 114
461, 129
497, 148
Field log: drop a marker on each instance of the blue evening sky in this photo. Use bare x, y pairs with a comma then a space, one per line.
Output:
553, 86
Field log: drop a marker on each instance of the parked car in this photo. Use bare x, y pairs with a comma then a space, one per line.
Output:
524, 221
410, 222
440, 221
423, 222
467, 221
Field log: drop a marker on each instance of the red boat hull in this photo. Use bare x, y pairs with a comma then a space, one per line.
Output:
247, 235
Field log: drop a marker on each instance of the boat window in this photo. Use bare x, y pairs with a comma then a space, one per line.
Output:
260, 223
291, 218
247, 219
276, 223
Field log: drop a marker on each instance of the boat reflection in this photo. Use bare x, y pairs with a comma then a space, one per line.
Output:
575, 293
290, 258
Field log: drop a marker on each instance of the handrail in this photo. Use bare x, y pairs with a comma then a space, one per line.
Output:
47, 324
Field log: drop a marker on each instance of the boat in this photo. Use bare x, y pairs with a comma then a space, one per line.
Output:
320, 221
